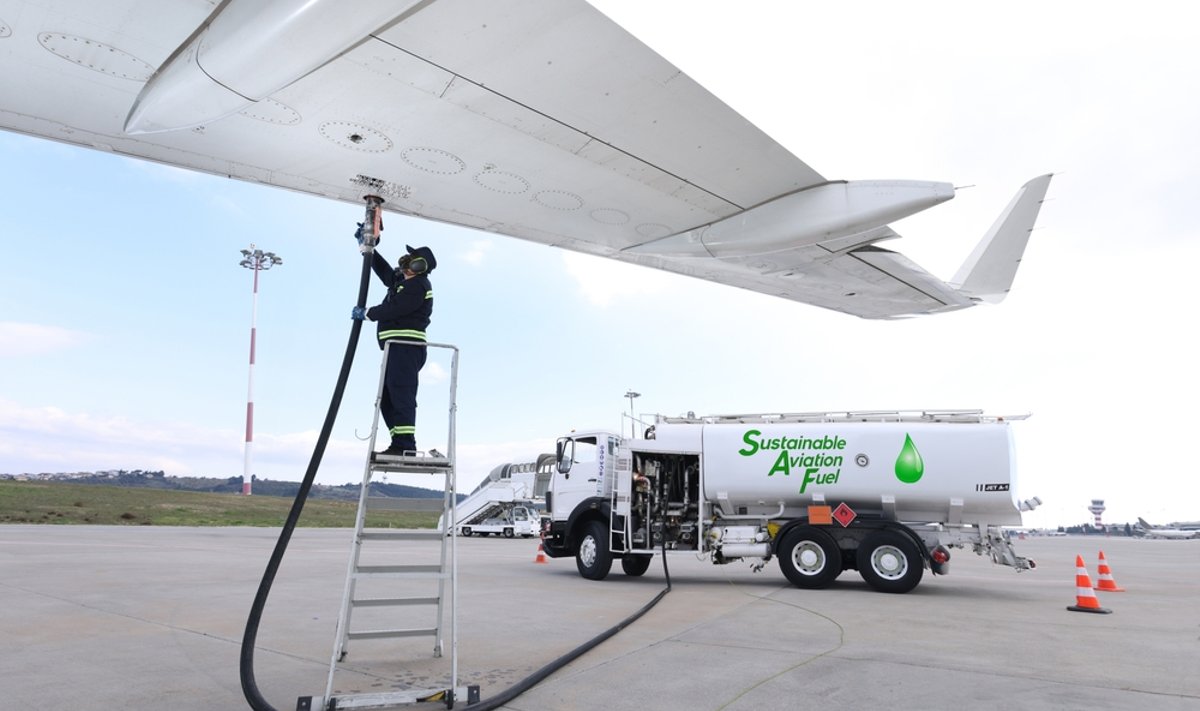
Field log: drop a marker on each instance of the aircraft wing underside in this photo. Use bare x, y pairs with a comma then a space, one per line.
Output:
542, 121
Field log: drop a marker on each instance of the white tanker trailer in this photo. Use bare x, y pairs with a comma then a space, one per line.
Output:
886, 493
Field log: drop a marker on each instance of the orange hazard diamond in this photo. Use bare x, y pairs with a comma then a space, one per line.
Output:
844, 514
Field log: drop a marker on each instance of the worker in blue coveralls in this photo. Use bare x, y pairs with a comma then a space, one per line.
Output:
402, 316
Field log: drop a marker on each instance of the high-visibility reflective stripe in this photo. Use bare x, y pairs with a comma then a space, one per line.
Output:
429, 294
402, 430
410, 334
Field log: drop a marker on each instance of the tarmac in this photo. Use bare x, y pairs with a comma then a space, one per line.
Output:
151, 618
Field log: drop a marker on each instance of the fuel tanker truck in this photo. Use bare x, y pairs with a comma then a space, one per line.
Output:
888, 494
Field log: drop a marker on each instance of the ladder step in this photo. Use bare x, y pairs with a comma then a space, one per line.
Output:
388, 634
419, 505
387, 535
394, 601
415, 572
466, 695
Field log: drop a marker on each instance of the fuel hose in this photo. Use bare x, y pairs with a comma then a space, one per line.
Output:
249, 684
246, 667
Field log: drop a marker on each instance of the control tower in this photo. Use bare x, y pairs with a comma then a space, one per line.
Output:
1097, 508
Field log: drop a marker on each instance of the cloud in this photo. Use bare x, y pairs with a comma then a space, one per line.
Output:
434, 373
37, 440
28, 339
478, 251
50, 439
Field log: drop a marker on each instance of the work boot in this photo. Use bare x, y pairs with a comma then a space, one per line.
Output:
398, 449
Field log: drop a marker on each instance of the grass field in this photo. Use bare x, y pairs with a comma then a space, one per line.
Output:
65, 503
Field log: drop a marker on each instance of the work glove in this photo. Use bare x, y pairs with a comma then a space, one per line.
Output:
358, 234
358, 314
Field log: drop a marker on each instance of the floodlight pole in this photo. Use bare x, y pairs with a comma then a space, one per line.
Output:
632, 422
256, 260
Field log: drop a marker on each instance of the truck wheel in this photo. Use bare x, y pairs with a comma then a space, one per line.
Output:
635, 565
809, 557
466, 531
594, 559
890, 562
508, 533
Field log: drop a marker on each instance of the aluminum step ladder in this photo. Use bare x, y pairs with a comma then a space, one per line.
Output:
437, 579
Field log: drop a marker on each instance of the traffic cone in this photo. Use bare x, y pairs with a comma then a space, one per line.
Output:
1085, 596
541, 556
1106, 579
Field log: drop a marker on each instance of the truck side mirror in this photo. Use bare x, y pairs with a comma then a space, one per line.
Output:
564, 453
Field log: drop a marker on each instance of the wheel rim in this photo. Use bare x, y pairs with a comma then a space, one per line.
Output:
587, 551
889, 562
808, 558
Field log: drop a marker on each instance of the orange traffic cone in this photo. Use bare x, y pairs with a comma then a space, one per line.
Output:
541, 556
1085, 596
1106, 579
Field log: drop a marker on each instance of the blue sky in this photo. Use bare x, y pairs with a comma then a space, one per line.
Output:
124, 317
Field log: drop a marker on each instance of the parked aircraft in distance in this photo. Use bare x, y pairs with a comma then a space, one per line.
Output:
1180, 530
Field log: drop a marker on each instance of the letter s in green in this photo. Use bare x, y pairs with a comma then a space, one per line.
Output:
752, 445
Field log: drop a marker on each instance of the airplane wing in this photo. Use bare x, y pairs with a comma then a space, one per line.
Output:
542, 121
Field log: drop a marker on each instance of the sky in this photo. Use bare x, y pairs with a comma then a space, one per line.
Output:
125, 319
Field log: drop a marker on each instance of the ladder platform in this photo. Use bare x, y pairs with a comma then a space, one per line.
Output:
387, 700
394, 601
416, 463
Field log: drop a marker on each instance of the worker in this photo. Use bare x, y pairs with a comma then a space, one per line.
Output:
402, 316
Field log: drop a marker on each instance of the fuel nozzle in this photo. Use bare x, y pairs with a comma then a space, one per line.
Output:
372, 225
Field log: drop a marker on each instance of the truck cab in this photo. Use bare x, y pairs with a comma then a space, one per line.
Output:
580, 492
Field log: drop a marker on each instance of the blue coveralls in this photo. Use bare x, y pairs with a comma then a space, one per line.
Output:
403, 316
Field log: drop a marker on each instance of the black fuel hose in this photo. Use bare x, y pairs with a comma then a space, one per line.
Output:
538, 676
249, 684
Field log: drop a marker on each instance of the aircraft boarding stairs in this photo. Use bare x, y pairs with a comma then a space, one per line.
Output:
401, 589
492, 511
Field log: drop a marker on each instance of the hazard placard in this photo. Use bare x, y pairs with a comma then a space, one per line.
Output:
844, 514
820, 515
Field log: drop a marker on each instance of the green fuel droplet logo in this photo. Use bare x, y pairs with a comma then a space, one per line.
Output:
909, 465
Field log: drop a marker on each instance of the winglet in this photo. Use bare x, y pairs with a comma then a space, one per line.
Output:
988, 273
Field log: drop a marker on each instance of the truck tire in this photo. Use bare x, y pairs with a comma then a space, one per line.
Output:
466, 531
508, 533
890, 562
636, 565
809, 557
593, 558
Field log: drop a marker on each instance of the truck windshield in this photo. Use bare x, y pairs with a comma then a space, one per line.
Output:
585, 450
